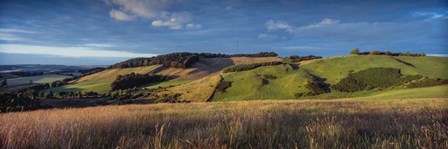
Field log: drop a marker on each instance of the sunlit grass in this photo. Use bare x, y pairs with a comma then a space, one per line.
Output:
414, 123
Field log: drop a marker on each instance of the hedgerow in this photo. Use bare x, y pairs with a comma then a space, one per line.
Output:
426, 82
245, 67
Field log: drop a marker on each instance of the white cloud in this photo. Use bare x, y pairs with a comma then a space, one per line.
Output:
155, 10
119, 15
174, 21
101, 45
193, 26
432, 15
10, 37
12, 30
67, 51
266, 36
272, 25
323, 23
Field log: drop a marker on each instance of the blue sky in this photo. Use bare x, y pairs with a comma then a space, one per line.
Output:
90, 32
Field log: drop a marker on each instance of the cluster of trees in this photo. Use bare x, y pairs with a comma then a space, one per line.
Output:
27, 74
388, 53
181, 60
19, 101
91, 71
296, 58
245, 67
382, 78
133, 80
174, 60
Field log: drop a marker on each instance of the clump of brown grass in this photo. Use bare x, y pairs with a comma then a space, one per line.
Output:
254, 124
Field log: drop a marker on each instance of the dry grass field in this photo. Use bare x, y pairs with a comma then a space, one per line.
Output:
413, 123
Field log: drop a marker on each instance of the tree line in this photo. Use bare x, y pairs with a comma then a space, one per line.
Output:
245, 67
181, 60
388, 53
133, 80
296, 58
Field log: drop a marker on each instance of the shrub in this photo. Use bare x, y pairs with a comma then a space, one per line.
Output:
355, 51
296, 58
375, 52
368, 79
316, 87
245, 67
427, 82
223, 85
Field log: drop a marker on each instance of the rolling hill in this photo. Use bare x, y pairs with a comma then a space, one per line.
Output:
200, 81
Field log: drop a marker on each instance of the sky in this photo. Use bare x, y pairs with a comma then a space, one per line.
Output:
103, 32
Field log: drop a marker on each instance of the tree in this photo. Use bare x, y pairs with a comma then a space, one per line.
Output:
375, 52
355, 51
388, 53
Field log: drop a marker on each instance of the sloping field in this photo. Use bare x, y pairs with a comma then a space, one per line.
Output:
334, 69
197, 91
101, 82
257, 84
209, 66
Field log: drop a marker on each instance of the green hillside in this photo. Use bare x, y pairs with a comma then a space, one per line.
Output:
253, 85
101, 82
280, 81
248, 86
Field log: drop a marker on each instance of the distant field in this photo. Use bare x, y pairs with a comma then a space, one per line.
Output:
412, 123
36, 79
101, 82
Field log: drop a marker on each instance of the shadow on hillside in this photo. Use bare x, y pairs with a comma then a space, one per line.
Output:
211, 65
403, 62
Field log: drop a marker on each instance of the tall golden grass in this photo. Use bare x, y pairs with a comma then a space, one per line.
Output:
256, 124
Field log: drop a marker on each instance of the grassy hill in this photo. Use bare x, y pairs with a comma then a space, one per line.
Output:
248, 85
198, 82
254, 85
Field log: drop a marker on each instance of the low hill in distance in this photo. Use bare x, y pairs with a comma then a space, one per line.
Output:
204, 79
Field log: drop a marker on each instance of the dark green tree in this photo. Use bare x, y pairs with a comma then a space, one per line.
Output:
355, 51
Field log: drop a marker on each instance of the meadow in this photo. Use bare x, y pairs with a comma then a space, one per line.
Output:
344, 123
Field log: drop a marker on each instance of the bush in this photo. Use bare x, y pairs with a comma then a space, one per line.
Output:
223, 85
316, 87
375, 52
368, 79
245, 67
355, 51
427, 82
